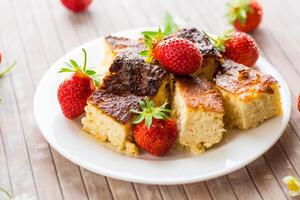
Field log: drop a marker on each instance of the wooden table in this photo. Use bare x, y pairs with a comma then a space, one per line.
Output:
38, 32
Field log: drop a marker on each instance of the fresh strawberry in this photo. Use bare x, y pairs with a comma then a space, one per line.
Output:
154, 132
76, 5
73, 92
178, 55
245, 15
237, 46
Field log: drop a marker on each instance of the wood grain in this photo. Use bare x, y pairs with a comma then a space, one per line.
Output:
36, 33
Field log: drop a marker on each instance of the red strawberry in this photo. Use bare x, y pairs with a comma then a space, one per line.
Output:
73, 93
178, 55
237, 46
76, 5
245, 15
241, 48
155, 132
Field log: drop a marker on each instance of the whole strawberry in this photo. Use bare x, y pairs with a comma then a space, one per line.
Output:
154, 132
76, 5
177, 55
237, 46
73, 93
245, 15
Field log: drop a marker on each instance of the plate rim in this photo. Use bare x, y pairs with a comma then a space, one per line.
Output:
137, 179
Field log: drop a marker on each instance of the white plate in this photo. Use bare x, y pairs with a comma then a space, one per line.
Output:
237, 149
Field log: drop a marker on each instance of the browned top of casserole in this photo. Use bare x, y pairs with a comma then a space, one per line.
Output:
241, 80
116, 106
200, 93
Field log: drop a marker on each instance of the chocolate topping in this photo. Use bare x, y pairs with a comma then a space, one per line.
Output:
201, 41
132, 75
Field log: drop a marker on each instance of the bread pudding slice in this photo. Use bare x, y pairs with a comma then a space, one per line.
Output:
108, 119
249, 96
129, 80
211, 56
197, 106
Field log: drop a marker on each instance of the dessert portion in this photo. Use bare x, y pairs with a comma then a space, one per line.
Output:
250, 97
211, 56
129, 80
108, 119
130, 74
171, 87
198, 108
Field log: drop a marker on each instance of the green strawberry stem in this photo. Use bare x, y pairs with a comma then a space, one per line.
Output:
149, 111
237, 10
72, 66
151, 38
5, 192
7, 69
219, 41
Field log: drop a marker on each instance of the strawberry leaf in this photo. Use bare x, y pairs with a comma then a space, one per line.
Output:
145, 53
219, 41
85, 59
65, 70
149, 111
238, 10
90, 72
149, 33
74, 64
139, 119
142, 104
148, 120
170, 25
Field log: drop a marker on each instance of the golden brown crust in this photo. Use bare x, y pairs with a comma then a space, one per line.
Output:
121, 45
200, 93
116, 106
239, 79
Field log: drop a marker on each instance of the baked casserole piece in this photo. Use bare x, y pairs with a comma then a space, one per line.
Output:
197, 106
249, 97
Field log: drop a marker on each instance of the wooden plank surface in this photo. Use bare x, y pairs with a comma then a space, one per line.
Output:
36, 33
